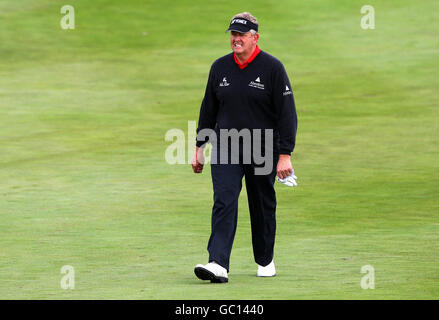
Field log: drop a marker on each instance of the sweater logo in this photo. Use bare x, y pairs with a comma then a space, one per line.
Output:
257, 84
224, 83
287, 91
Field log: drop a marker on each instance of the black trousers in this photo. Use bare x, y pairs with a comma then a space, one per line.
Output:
227, 184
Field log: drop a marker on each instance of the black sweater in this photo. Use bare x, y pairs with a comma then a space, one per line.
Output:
256, 97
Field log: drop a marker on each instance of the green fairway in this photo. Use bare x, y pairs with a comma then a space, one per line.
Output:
83, 176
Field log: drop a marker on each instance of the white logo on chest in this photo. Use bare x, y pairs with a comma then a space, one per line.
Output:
257, 84
224, 83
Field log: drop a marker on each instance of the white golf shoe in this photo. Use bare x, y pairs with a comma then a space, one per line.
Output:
267, 271
211, 271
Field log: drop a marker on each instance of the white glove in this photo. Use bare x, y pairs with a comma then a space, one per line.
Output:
289, 181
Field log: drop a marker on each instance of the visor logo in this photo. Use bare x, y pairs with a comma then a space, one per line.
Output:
239, 21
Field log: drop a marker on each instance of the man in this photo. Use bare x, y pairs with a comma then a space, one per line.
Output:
246, 89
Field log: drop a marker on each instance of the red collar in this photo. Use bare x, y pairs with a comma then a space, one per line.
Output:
252, 57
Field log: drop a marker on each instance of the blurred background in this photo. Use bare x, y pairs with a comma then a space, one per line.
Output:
84, 182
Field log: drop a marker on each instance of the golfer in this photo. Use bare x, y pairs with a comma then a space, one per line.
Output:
246, 89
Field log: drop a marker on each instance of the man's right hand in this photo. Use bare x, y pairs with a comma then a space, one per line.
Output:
198, 160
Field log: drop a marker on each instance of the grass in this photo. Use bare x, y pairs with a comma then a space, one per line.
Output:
83, 181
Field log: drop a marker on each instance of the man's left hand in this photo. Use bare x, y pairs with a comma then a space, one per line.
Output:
284, 167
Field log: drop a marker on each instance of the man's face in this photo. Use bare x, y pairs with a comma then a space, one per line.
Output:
243, 43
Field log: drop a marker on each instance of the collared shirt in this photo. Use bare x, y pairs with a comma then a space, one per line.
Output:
258, 96
252, 57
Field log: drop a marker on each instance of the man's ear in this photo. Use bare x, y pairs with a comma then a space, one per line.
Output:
257, 36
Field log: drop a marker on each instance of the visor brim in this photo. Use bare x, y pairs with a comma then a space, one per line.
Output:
239, 28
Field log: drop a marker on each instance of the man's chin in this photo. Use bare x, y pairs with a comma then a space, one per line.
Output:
237, 50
